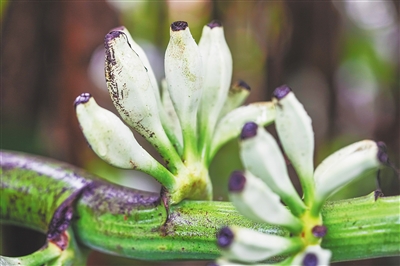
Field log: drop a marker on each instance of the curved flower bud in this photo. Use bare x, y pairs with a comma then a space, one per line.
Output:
344, 166
296, 135
261, 156
237, 94
242, 244
217, 71
184, 75
114, 142
229, 127
312, 256
132, 93
255, 200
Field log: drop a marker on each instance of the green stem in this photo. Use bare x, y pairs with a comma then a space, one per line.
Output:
136, 224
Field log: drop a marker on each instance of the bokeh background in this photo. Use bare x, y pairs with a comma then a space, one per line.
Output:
341, 58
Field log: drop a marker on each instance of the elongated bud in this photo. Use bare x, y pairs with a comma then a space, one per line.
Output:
133, 94
217, 71
237, 95
296, 135
255, 200
184, 75
312, 256
261, 156
345, 166
114, 142
230, 126
246, 245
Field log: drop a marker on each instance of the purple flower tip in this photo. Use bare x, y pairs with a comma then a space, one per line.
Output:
382, 153
310, 259
319, 231
111, 36
215, 23
237, 181
83, 98
225, 237
249, 130
282, 91
179, 25
244, 85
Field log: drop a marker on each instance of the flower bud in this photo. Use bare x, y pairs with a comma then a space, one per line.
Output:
312, 256
296, 135
230, 126
184, 75
260, 154
255, 200
217, 71
237, 94
246, 245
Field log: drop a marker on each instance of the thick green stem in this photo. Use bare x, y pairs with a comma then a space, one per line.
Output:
136, 224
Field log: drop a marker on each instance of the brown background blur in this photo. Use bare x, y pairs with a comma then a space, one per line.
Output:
341, 58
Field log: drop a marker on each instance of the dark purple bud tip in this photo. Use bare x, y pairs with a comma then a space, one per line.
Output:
244, 85
382, 153
225, 237
179, 25
120, 28
281, 91
249, 130
111, 36
319, 231
83, 98
310, 259
237, 181
215, 23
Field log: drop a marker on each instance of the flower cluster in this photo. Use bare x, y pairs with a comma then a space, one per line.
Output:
258, 191
196, 112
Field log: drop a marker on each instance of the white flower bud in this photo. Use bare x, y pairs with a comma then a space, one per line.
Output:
237, 95
345, 166
296, 135
255, 200
312, 256
113, 141
261, 156
184, 75
133, 94
229, 127
217, 71
246, 245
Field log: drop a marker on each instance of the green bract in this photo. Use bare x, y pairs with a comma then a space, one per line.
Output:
257, 192
187, 123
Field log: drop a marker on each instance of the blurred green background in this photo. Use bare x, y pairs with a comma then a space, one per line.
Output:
341, 58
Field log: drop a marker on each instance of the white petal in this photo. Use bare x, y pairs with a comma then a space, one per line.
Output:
246, 245
345, 166
261, 156
255, 200
229, 127
296, 135
237, 94
184, 75
217, 71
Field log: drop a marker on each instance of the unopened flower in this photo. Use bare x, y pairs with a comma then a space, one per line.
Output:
196, 113
258, 191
